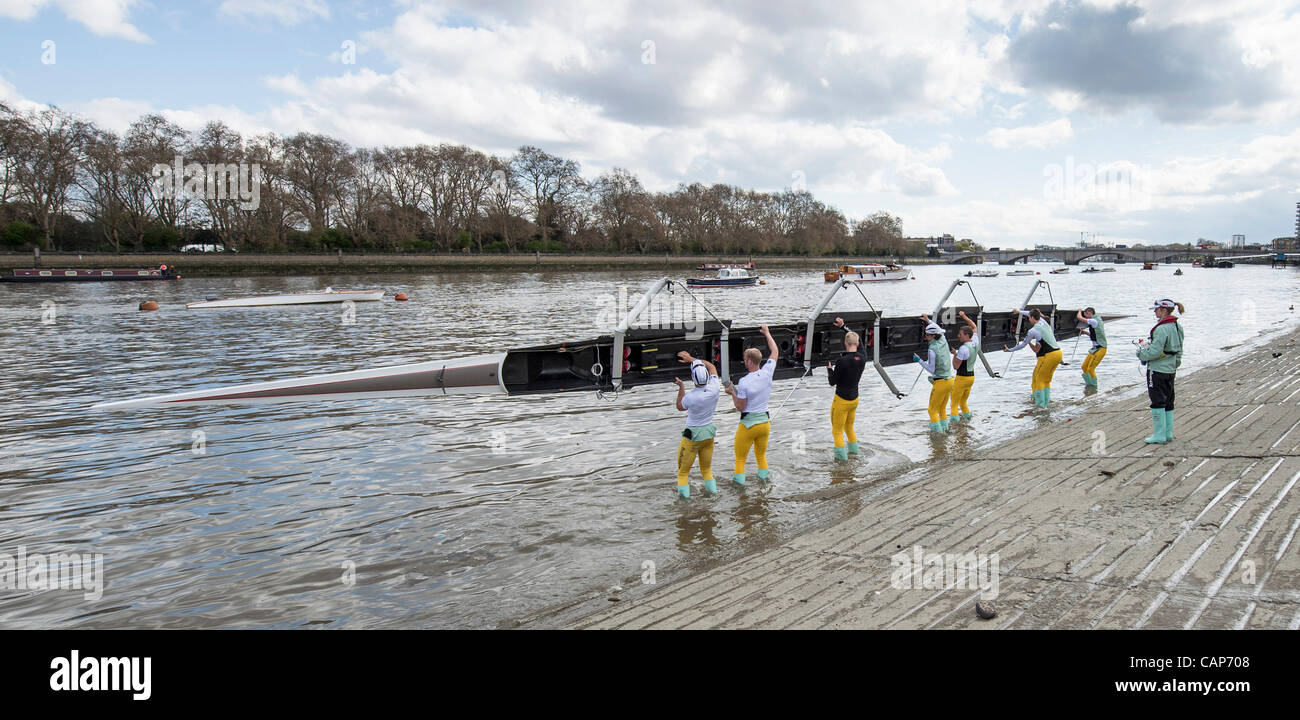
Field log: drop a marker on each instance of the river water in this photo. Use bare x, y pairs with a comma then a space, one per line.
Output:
463, 511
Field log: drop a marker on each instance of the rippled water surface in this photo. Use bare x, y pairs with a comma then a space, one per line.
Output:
461, 511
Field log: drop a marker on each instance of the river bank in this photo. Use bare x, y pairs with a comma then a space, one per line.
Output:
1091, 528
260, 265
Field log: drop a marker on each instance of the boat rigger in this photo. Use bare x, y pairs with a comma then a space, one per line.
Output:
631, 357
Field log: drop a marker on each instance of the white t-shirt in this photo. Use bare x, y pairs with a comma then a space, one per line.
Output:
963, 352
756, 387
700, 402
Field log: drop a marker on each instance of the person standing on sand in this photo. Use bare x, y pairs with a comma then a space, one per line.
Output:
750, 397
963, 363
844, 374
697, 439
1097, 331
1162, 353
938, 363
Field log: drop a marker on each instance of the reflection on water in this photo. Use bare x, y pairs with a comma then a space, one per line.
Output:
460, 511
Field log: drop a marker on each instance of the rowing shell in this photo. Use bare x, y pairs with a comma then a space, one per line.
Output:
465, 375
316, 298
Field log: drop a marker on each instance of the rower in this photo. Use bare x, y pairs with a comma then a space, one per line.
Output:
844, 374
750, 397
1097, 331
1162, 353
1048, 352
963, 363
697, 438
938, 363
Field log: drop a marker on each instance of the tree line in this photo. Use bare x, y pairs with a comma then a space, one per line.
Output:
67, 185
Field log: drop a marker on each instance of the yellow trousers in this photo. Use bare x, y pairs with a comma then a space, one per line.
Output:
961, 386
939, 394
843, 413
1045, 368
755, 437
687, 451
1091, 362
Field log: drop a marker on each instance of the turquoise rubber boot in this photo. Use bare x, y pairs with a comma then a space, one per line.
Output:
684, 491
968, 415
1158, 424
853, 448
1038, 398
955, 417
711, 487
841, 453
738, 478
764, 475
936, 428
944, 424
1047, 396
1169, 425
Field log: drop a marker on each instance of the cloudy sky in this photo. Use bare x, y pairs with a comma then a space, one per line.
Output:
1011, 122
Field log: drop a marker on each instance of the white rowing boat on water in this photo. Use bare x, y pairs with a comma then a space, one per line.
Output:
314, 298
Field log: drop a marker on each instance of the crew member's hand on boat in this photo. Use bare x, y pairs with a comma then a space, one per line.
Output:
685, 357
839, 322
916, 358
681, 387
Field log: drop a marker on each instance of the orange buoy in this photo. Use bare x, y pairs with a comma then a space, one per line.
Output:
148, 306
400, 297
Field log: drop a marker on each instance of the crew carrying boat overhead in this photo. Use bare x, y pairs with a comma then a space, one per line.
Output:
1162, 353
938, 362
1097, 331
963, 364
844, 374
1048, 352
750, 397
697, 439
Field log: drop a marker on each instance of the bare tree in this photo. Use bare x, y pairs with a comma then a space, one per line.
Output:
45, 148
102, 186
548, 183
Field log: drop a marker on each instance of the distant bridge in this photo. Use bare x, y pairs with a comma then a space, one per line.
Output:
1073, 256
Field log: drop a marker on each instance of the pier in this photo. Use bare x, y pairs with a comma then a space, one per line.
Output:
1093, 528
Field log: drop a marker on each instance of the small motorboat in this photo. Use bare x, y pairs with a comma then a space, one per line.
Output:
316, 298
1060, 271
982, 273
872, 272
1149, 266
1179, 271
727, 277
1018, 273
1092, 269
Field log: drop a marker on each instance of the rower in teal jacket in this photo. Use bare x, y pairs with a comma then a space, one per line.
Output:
1162, 353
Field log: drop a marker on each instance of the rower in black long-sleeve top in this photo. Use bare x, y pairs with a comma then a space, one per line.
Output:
844, 374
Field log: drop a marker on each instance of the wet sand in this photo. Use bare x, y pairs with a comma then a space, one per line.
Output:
1093, 528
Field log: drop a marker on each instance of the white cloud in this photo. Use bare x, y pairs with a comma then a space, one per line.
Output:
102, 17
1031, 136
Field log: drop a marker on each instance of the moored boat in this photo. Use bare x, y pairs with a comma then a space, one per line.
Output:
1018, 273
727, 277
1149, 266
870, 272
982, 273
315, 298
1060, 271
71, 275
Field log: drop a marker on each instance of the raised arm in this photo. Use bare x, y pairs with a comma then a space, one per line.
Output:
771, 344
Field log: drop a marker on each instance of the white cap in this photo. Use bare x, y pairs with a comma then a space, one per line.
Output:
1166, 303
699, 373
933, 329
